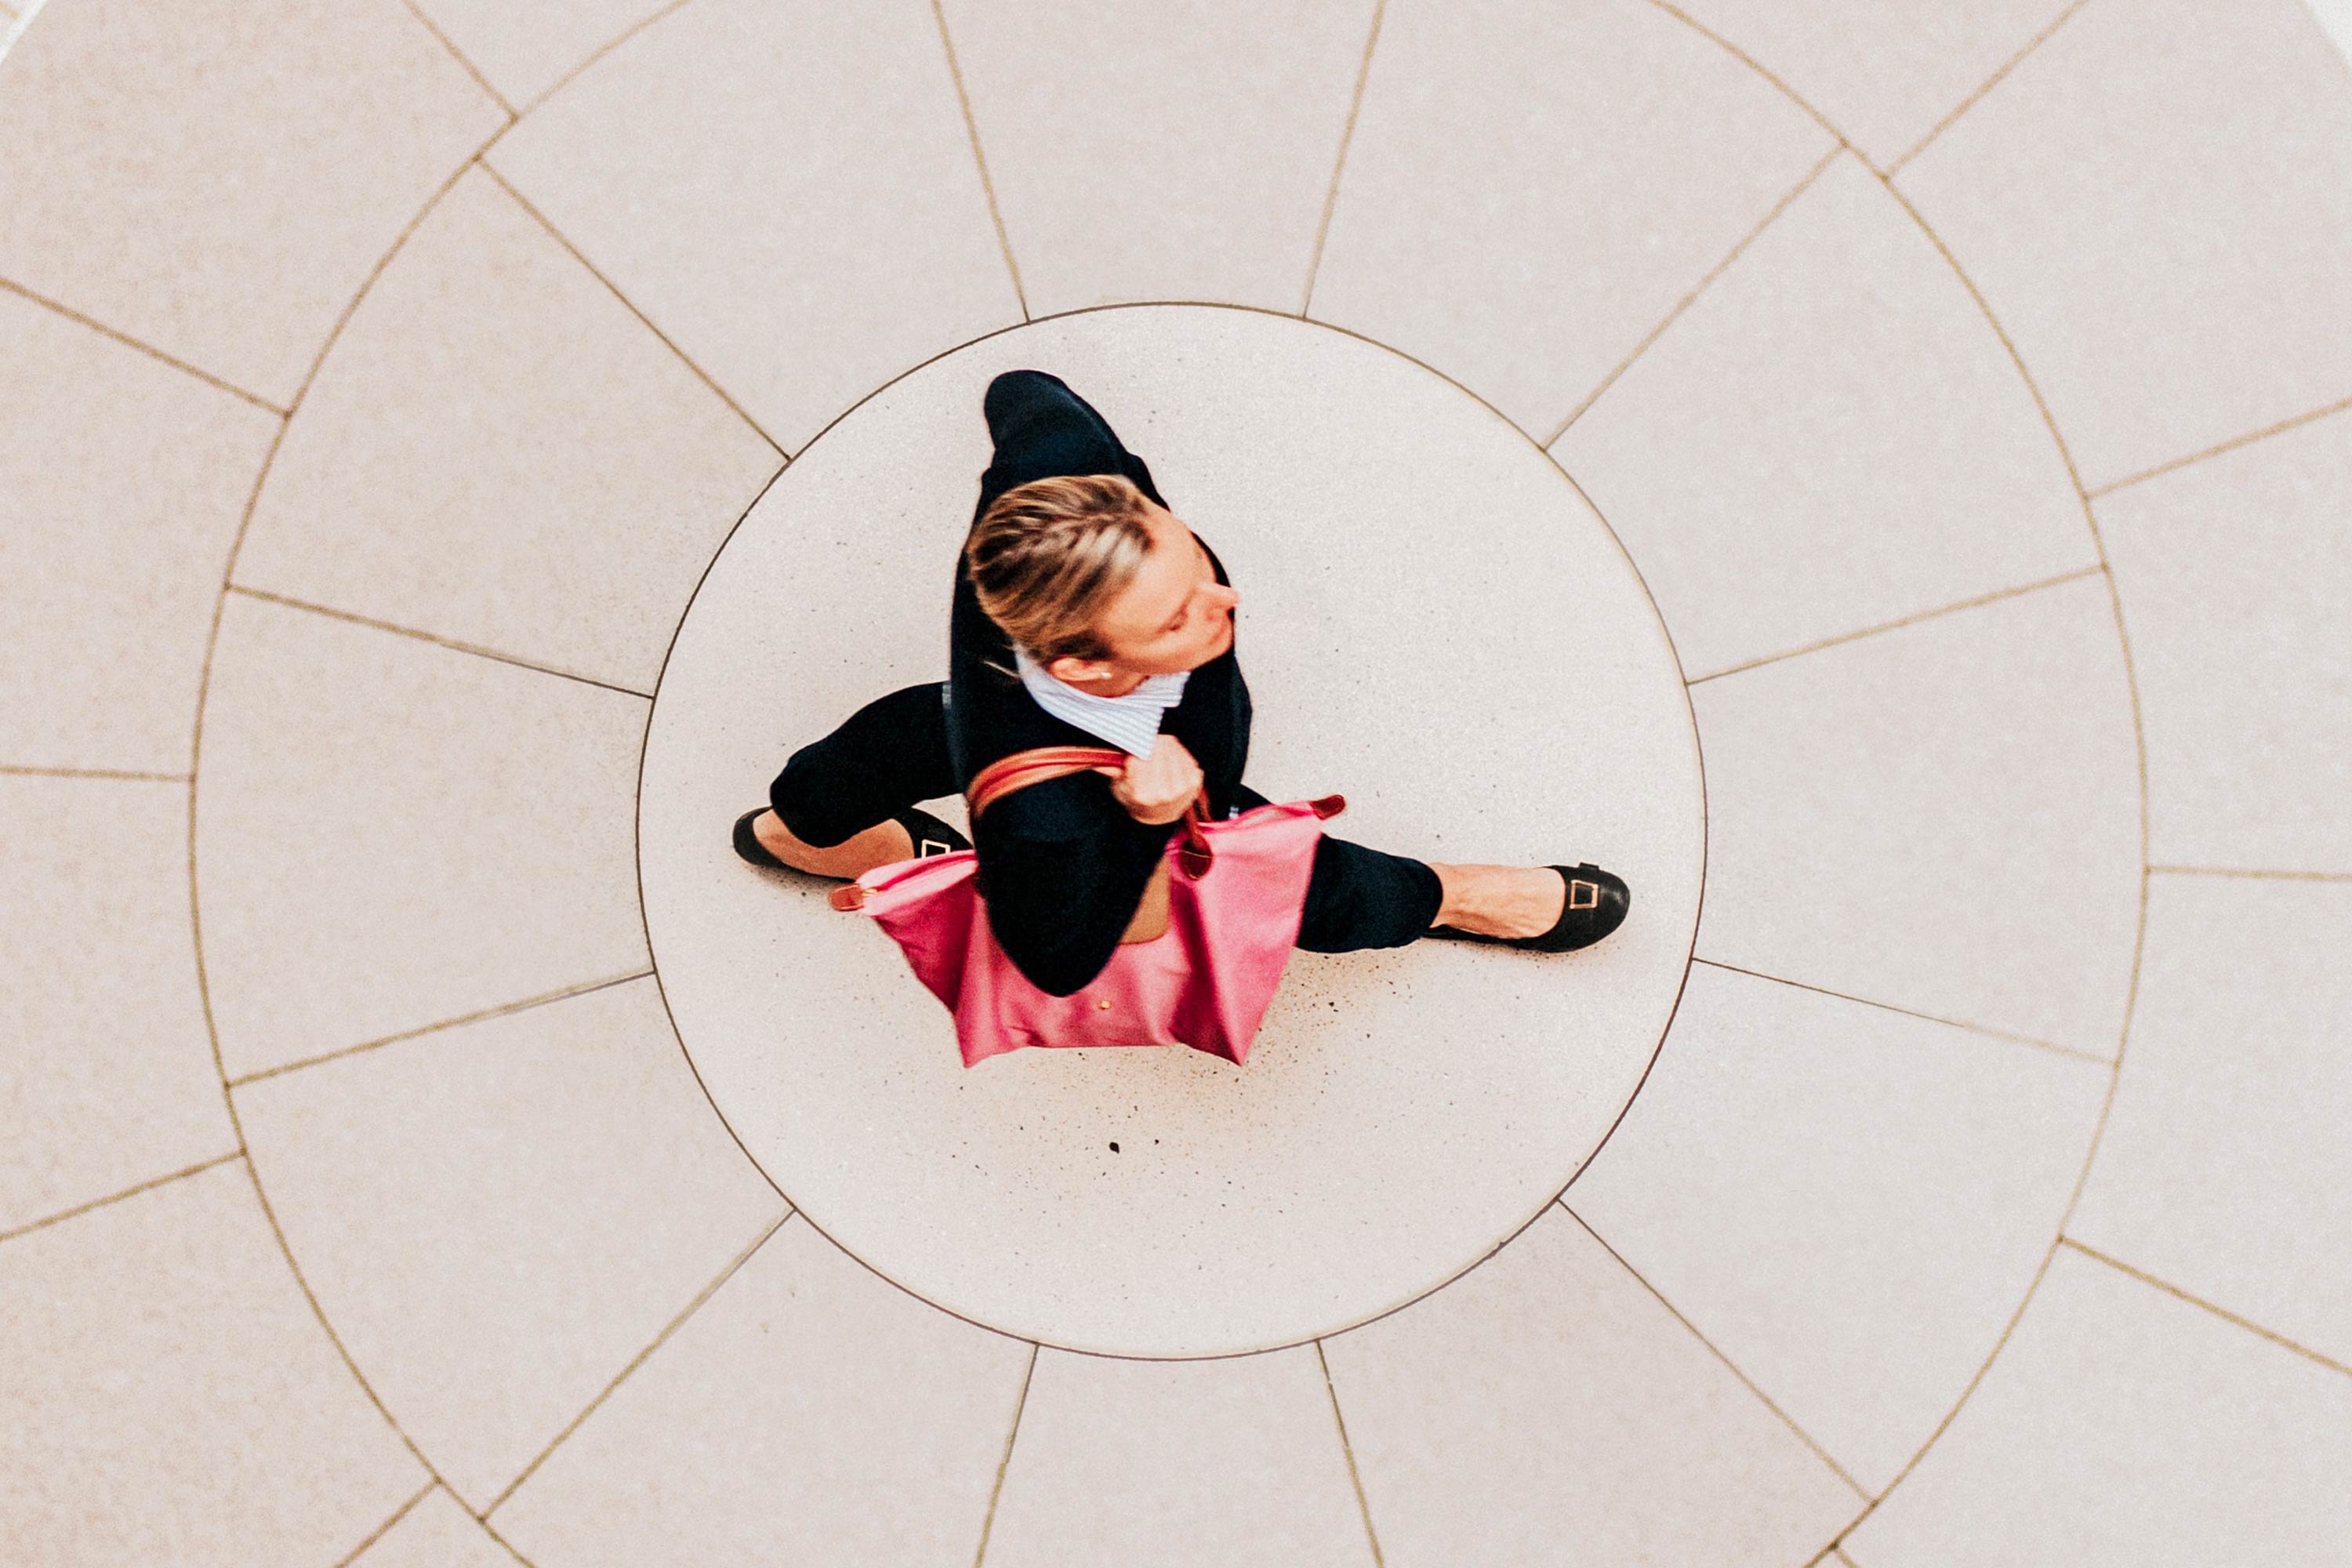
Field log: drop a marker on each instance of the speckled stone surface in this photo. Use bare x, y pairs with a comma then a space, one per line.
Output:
1434, 623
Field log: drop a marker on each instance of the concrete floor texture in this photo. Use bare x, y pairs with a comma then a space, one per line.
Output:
1877, 474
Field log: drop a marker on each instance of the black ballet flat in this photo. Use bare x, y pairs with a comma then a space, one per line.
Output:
929, 834
1596, 905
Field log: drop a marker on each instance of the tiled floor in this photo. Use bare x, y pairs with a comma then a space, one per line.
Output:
422, 1143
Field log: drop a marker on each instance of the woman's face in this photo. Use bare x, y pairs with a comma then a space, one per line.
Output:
1174, 614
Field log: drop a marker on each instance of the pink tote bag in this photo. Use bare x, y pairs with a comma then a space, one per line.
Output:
1235, 896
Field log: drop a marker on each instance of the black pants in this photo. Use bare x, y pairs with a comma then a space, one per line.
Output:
893, 753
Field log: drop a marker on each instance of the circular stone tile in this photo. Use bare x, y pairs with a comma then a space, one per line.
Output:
1433, 621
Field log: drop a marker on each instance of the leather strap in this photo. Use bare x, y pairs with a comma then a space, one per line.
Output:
1021, 769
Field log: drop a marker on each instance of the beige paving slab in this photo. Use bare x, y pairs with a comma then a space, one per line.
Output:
787, 190
121, 482
1943, 817
2236, 579
523, 50
1403, 1110
217, 178
167, 1396
496, 1217
1831, 438
2157, 204
2123, 1428
436, 1533
107, 1080
500, 451
2223, 1167
1177, 153
1237, 1461
1885, 74
1849, 1203
1594, 163
1547, 1409
807, 1413
392, 834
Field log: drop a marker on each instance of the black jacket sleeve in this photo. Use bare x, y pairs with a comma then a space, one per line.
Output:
1058, 906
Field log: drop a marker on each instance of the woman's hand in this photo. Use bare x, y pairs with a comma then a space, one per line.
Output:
1156, 788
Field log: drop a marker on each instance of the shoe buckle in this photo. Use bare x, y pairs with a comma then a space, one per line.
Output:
931, 847
1583, 895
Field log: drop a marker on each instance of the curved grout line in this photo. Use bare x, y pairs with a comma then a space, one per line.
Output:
598, 53
1752, 63
1915, 619
1004, 1460
436, 638
1731, 1366
2139, 738
196, 752
1698, 753
1348, 1452
980, 159
1338, 168
1982, 1030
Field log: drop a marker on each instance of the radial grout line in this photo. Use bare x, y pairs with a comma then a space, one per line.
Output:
601, 50
1960, 109
386, 1528
195, 754
636, 1361
1004, 1460
501, 1010
1347, 1451
69, 313
2233, 444
132, 1192
2260, 875
459, 55
1340, 163
453, 644
1714, 1350
2227, 1316
615, 290
980, 159
2073, 1052
32, 771
1911, 620
1701, 287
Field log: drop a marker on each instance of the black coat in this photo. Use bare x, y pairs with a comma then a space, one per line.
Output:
1062, 865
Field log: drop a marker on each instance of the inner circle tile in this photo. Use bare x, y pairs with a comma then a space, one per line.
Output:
1433, 621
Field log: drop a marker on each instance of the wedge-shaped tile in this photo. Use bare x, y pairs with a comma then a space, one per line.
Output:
1530, 191
2124, 1428
1831, 438
1188, 158
496, 1217
167, 1396
808, 1413
1546, 1408
106, 1076
498, 451
122, 481
436, 1533
217, 178
523, 50
1849, 1203
2236, 579
1885, 72
2157, 206
1943, 817
1235, 1462
786, 189
392, 834
2224, 1167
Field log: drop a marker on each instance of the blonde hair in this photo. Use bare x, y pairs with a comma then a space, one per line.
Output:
1047, 558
